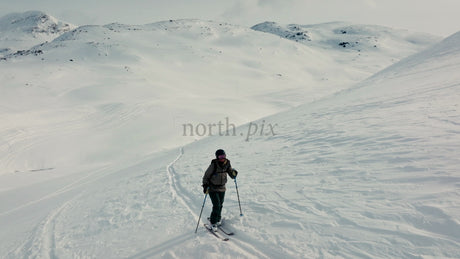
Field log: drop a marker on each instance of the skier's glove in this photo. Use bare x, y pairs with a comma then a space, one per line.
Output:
205, 189
234, 173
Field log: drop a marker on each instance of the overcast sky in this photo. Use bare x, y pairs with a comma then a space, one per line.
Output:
440, 17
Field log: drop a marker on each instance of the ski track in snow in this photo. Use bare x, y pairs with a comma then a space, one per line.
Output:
178, 193
42, 243
91, 177
175, 187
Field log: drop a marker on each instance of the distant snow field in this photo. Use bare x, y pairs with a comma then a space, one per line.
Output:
346, 137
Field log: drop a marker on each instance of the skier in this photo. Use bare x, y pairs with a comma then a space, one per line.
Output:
214, 181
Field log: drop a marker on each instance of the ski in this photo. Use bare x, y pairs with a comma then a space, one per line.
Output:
225, 231
214, 233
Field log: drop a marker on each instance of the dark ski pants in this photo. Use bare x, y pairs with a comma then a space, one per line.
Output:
217, 199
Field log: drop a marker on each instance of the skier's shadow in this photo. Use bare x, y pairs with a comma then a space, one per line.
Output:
165, 246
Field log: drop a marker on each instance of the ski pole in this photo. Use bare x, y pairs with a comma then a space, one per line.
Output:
239, 203
204, 201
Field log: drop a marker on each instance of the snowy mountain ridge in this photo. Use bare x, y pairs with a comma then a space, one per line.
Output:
358, 37
370, 172
92, 123
21, 31
115, 74
34, 22
366, 45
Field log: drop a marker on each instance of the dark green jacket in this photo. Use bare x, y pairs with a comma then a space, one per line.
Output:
216, 175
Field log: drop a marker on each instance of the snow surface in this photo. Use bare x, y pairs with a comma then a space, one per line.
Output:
20, 31
92, 124
366, 45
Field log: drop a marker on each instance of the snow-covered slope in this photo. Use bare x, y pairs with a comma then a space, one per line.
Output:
21, 31
357, 47
118, 92
370, 172
87, 120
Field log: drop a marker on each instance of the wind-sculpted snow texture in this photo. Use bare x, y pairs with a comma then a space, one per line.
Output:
91, 132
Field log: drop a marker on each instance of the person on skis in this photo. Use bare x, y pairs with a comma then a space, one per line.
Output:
214, 181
